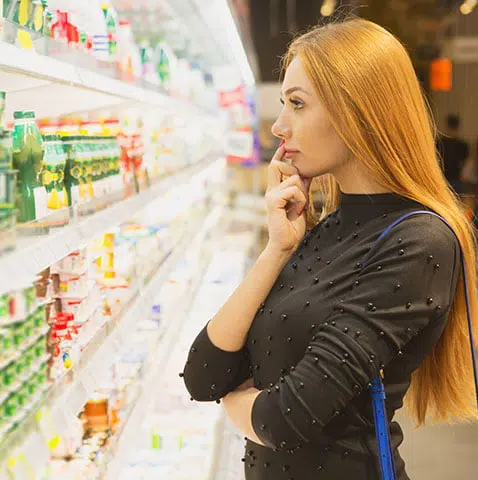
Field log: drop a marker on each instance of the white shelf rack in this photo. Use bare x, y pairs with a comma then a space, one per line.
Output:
126, 441
66, 398
52, 87
33, 254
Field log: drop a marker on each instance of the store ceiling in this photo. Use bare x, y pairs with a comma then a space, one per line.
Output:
420, 24
267, 26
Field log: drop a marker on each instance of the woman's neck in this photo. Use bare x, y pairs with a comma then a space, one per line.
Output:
353, 178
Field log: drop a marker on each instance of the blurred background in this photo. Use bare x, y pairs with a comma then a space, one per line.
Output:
134, 142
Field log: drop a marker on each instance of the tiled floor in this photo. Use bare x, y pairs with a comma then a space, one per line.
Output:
440, 452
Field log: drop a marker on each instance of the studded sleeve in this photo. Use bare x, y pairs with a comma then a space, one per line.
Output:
408, 282
211, 373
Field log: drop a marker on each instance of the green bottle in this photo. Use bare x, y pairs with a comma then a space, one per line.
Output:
162, 65
53, 172
28, 161
47, 19
3, 100
88, 161
35, 22
74, 170
7, 175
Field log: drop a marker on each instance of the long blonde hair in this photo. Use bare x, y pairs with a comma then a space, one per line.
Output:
366, 81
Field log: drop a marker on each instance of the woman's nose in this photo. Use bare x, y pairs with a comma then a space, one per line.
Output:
280, 130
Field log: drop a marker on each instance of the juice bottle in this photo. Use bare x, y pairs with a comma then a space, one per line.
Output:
47, 19
7, 175
73, 169
3, 99
37, 17
53, 173
61, 158
28, 161
23, 11
89, 161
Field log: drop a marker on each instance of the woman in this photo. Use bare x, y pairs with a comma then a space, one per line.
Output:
293, 350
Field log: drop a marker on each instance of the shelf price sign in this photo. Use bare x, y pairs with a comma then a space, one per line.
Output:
239, 144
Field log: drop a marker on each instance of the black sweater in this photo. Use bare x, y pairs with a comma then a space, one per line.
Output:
326, 328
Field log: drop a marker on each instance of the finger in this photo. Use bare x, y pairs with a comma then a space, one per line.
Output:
277, 170
294, 180
289, 194
279, 153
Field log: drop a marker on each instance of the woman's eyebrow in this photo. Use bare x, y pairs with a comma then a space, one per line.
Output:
295, 89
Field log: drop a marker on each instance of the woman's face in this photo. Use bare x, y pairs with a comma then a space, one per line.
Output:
311, 142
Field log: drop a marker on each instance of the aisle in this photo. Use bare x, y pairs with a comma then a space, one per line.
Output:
442, 452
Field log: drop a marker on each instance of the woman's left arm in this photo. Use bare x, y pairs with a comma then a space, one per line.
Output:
238, 405
408, 283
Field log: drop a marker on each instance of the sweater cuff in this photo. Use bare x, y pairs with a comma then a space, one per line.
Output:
211, 373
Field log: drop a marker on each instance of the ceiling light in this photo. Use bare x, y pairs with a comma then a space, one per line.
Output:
328, 7
467, 7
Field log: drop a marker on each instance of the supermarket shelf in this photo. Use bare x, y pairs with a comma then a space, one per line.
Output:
32, 80
23, 349
36, 253
124, 443
66, 398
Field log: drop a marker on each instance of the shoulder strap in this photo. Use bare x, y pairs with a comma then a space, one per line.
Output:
465, 281
377, 389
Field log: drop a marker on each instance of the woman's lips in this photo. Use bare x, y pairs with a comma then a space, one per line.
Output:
290, 153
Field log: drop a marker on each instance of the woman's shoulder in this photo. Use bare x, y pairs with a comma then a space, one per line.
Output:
408, 235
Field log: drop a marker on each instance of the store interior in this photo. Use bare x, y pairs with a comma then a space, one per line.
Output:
134, 144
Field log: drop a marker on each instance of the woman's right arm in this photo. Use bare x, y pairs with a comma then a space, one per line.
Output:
218, 360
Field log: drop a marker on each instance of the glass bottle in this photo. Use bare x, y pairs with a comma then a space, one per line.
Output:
28, 161
53, 173
73, 169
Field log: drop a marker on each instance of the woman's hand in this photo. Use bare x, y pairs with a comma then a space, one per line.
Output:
287, 201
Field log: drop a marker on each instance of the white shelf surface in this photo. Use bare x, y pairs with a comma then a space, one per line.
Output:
127, 438
66, 398
52, 87
33, 254
225, 271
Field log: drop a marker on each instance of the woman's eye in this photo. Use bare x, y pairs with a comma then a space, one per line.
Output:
297, 104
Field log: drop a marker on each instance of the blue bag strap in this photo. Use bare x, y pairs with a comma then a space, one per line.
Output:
382, 433
377, 389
